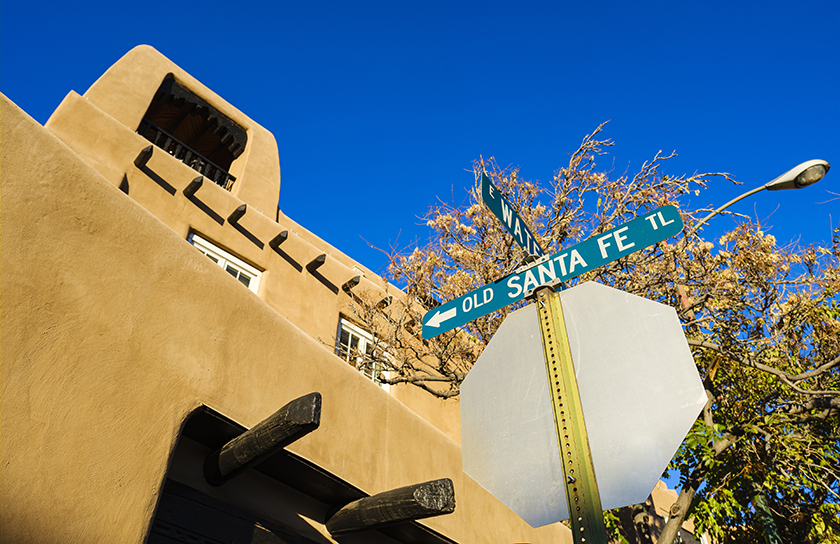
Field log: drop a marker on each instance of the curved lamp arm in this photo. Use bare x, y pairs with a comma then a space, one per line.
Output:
802, 175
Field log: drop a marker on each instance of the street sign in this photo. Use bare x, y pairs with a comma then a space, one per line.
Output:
639, 391
566, 264
499, 205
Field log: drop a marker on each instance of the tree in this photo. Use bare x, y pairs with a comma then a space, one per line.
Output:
762, 320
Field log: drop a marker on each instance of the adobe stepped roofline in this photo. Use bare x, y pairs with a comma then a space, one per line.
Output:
124, 93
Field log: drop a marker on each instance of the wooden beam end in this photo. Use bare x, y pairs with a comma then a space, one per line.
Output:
194, 186
351, 283
143, 157
410, 503
291, 422
237, 214
316, 263
279, 239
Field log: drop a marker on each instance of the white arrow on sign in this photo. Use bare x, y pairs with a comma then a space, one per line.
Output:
440, 317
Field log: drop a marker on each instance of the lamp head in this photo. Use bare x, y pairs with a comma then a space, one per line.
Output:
803, 175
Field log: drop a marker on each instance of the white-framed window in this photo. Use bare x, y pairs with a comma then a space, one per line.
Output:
353, 344
239, 269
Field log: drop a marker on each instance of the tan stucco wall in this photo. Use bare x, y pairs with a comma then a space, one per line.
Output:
100, 129
114, 329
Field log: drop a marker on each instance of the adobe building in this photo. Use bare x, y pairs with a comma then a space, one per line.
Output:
174, 352
156, 306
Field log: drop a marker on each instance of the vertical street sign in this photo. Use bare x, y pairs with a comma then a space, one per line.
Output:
566, 264
499, 205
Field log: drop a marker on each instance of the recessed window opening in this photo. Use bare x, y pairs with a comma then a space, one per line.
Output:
236, 267
192, 131
356, 346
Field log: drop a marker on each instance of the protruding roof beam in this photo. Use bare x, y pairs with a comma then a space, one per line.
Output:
316, 263
279, 239
351, 283
143, 157
409, 503
237, 214
291, 422
194, 186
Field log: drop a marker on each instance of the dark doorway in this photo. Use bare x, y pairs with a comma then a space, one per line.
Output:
186, 515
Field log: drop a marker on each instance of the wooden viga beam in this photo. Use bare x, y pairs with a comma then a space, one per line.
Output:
279, 239
237, 214
316, 263
409, 503
194, 186
351, 283
291, 422
144, 156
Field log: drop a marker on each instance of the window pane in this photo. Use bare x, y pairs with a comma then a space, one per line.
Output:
372, 370
242, 271
342, 344
358, 347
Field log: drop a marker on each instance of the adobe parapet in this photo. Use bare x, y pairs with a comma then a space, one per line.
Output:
146, 98
125, 351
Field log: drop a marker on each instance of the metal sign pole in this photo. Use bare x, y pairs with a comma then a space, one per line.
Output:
582, 496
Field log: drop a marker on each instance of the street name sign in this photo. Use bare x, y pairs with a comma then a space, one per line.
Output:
639, 391
499, 205
551, 270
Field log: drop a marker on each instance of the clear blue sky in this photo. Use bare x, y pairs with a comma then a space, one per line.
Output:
380, 107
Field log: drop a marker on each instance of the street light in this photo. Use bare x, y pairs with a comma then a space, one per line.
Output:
803, 175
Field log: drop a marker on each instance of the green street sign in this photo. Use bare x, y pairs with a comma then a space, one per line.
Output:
512, 222
601, 249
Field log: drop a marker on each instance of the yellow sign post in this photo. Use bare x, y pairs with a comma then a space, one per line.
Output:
582, 497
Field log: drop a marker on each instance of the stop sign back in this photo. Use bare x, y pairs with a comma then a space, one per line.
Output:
639, 390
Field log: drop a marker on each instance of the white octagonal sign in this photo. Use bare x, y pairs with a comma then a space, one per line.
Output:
639, 389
